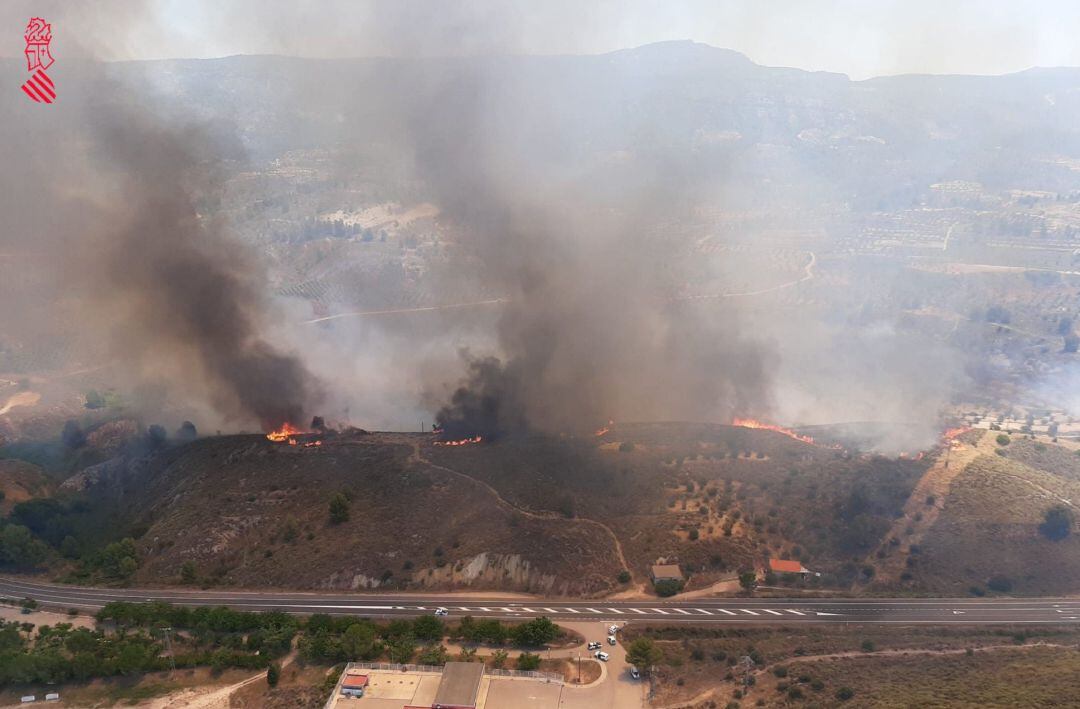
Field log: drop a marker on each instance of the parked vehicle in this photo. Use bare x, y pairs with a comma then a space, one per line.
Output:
613, 629
611, 640
634, 672
594, 645
601, 655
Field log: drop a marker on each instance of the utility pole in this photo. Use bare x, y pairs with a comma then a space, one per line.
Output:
747, 668
166, 634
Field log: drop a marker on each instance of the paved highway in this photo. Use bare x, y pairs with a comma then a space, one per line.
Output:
722, 610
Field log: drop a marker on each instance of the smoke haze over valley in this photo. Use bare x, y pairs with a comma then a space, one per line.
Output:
671, 232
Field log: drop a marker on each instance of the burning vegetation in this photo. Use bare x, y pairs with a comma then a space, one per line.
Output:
752, 423
291, 434
460, 442
286, 434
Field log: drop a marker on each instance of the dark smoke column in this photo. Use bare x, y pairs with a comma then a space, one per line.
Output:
186, 298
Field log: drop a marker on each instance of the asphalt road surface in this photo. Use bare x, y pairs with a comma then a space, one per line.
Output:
697, 611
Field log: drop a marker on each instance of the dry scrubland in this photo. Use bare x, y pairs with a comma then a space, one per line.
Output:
712, 498
881, 666
260, 511
989, 526
21, 481
558, 515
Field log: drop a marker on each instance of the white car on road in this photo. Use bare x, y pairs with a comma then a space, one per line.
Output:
441, 611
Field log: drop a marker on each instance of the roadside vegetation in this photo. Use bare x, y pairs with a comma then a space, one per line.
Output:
132, 639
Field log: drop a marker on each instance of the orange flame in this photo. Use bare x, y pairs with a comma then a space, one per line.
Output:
751, 423
952, 433
462, 442
284, 434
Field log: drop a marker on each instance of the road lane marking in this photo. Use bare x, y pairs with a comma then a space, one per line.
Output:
725, 611
680, 610
593, 610
702, 610
792, 610
660, 611
747, 610
573, 610
772, 612
639, 611
550, 610
527, 610
615, 610
486, 610
508, 610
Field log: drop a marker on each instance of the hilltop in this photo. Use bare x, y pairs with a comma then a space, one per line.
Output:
563, 515
560, 515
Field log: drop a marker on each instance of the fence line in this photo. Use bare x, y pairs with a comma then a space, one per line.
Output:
437, 669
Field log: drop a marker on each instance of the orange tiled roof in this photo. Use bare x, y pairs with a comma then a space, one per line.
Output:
786, 566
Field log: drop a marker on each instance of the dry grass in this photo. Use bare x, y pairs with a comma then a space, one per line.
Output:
568, 668
702, 663
299, 687
1013, 678
989, 527
129, 691
21, 481
248, 512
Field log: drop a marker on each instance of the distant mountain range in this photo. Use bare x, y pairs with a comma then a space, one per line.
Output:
704, 115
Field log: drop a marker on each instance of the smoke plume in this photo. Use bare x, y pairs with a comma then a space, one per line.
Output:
113, 208
593, 327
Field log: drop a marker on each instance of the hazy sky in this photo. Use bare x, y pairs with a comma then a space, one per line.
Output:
858, 37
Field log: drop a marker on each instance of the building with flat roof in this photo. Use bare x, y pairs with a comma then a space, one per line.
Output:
666, 572
353, 684
460, 686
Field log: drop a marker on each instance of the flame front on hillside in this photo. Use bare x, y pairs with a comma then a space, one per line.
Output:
462, 442
752, 423
952, 433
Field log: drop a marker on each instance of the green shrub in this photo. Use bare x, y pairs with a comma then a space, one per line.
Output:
528, 661
339, 508
1057, 523
668, 587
